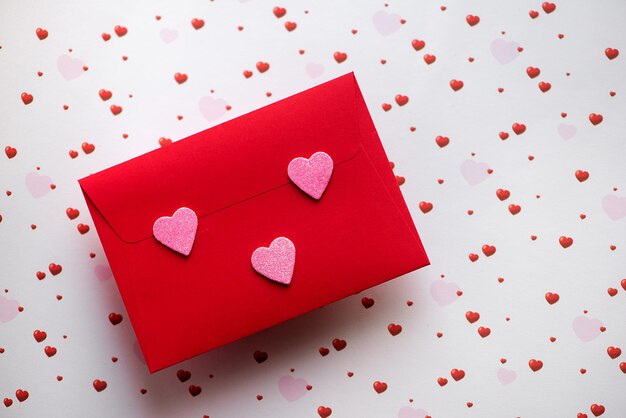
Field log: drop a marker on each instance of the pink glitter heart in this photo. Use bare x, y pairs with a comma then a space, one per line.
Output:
177, 232
276, 262
311, 175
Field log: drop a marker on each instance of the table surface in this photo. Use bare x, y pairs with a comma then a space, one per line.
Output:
550, 316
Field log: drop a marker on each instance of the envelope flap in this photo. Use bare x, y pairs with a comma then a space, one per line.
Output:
229, 163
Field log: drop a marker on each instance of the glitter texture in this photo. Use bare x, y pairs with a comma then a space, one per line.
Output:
311, 175
177, 232
276, 262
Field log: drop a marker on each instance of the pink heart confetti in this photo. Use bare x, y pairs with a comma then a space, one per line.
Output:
276, 262
311, 175
177, 232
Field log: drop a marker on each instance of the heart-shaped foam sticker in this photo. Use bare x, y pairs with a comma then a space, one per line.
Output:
313, 174
277, 261
178, 231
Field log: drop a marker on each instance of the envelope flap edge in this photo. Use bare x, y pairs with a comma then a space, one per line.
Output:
227, 163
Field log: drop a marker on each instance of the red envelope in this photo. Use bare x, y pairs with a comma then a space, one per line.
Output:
234, 176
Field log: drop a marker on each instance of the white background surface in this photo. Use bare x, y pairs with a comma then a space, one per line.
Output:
214, 58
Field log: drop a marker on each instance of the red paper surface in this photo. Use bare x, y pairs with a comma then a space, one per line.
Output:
234, 176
